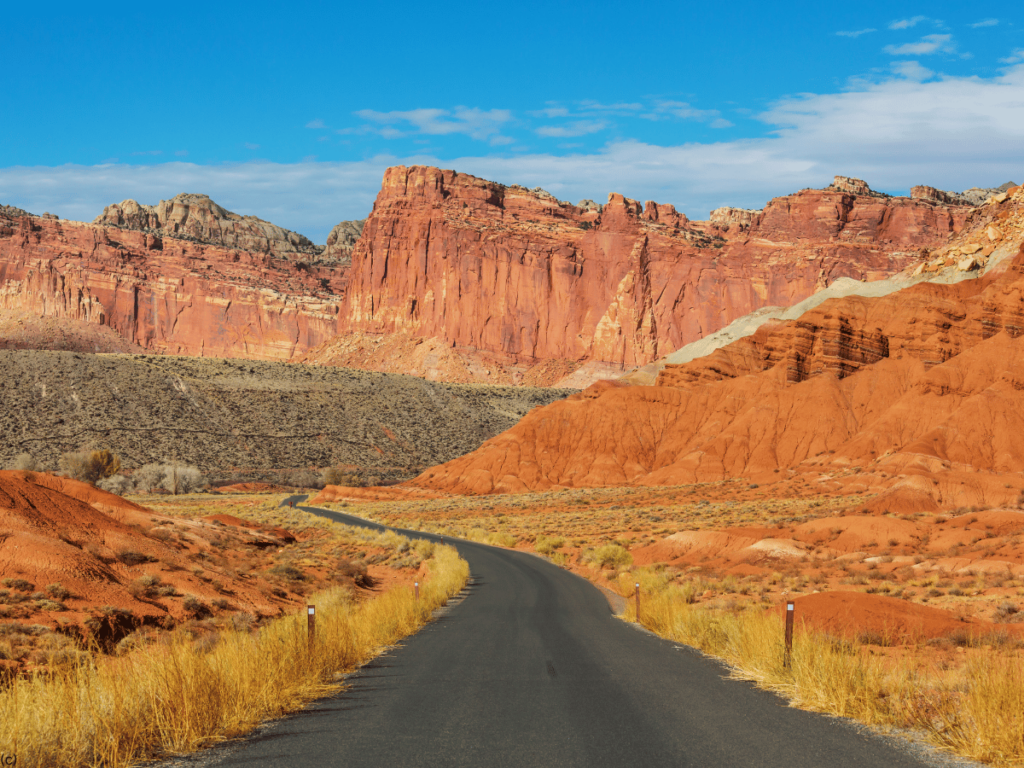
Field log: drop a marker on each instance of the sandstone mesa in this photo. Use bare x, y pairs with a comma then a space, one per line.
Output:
453, 277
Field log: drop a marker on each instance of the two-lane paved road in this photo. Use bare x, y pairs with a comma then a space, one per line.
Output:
532, 669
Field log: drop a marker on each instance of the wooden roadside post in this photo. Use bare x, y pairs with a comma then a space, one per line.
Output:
790, 610
636, 593
311, 624
416, 586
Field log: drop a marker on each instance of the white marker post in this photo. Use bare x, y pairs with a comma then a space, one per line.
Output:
311, 624
790, 611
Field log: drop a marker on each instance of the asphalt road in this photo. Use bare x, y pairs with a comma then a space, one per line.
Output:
532, 669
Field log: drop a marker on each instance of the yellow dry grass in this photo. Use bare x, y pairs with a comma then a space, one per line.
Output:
976, 711
179, 696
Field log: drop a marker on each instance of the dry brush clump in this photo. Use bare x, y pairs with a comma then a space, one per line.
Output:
184, 694
976, 711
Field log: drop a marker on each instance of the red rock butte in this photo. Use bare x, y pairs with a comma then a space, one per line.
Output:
457, 278
922, 386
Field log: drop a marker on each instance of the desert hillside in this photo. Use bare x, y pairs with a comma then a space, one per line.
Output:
226, 415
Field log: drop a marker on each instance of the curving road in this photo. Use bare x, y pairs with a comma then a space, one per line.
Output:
532, 669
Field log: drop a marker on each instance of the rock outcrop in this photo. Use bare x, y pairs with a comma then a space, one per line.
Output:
972, 196
922, 386
485, 269
198, 218
341, 241
167, 294
457, 278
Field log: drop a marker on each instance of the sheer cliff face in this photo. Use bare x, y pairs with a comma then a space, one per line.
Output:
507, 271
454, 277
165, 294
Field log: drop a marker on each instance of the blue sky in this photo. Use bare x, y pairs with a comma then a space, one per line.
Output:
292, 115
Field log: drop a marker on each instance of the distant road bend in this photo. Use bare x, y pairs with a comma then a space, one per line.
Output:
532, 669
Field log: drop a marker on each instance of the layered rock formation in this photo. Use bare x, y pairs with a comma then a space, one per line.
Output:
341, 241
197, 218
166, 294
457, 278
972, 196
488, 270
922, 386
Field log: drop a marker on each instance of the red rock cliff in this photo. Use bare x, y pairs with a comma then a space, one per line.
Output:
164, 294
518, 274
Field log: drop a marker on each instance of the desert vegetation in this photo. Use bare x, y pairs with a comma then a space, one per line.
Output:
219, 674
974, 708
245, 420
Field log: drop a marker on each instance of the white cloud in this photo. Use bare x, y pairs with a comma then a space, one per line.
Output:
473, 122
894, 134
318, 123
150, 152
1014, 58
721, 122
927, 44
985, 23
578, 128
857, 33
911, 70
908, 23
180, 153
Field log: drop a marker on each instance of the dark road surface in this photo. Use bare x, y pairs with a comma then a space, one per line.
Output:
532, 669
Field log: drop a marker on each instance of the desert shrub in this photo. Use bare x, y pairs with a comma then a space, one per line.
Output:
181, 478
130, 557
24, 461
610, 556
338, 476
173, 476
148, 477
116, 484
19, 584
192, 603
546, 545
286, 571
90, 466
58, 592
501, 539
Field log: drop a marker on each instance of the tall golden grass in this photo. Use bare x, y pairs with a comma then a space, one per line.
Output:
976, 711
175, 697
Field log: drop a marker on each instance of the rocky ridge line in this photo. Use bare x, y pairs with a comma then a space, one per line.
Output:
197, 218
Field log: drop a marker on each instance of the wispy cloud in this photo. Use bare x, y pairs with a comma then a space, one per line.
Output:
250, 145
857, 33
150, 152
907, 23
473, 122
686, 111
894, 133
578, 128
318, 123
926, 45
985, 23
181, 153
1014, 58
553, 111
